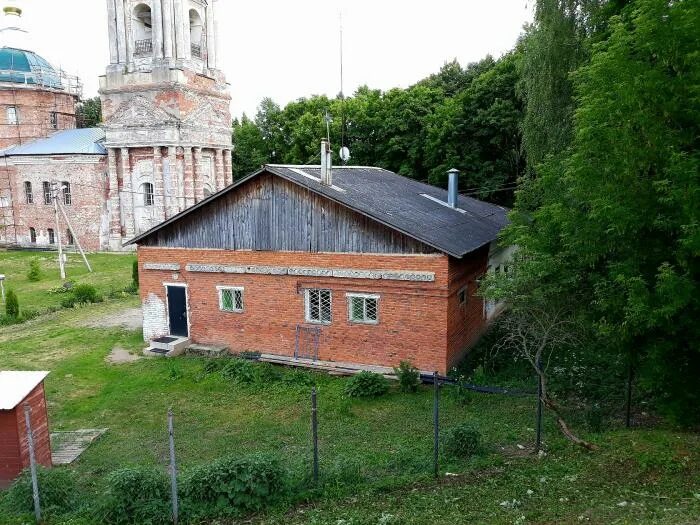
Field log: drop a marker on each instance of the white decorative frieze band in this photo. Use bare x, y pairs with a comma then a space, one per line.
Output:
170, 267
397, 275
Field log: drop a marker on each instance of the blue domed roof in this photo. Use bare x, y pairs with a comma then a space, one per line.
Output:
24, 67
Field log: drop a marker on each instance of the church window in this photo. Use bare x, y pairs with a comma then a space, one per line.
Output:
69, 238
52, 236
142, 30
32, 235
196, 33
148, 196
67, 195
28, 193
47, 193
12, 115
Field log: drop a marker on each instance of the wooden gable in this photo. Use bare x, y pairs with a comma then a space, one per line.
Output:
268, 213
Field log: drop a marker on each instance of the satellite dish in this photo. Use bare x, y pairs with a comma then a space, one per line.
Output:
345, 154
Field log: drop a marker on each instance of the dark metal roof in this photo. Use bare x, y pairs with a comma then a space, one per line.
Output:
408, 206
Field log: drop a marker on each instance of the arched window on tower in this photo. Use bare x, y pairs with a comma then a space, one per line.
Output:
142, 31
196, 33
148, 196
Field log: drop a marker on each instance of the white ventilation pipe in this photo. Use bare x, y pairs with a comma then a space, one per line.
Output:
326, 163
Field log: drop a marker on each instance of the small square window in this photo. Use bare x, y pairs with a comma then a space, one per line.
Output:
230, 299
319, 306
463, 296
363, 308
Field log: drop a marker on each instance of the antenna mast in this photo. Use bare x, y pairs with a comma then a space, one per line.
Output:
344, 151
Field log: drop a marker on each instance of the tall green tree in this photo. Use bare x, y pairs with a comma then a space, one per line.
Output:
617, 230
89, 113
479, 132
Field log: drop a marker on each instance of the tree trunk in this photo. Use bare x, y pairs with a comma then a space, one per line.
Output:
563, 426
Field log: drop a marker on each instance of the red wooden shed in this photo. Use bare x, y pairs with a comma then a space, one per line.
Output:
16, 390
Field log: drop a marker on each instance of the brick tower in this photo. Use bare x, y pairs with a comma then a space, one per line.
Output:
166, 113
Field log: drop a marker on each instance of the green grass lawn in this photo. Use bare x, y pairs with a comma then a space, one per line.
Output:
375, 455
111, 272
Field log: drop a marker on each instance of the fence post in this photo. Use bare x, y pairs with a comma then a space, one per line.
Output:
32, 462
628, 396
314, 432
173, 466
538, 437
436, 424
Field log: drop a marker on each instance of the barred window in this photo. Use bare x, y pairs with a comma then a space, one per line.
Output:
54, 120
363, 308
230, 299
319, 306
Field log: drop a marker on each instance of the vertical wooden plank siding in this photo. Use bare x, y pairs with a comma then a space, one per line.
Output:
271, 214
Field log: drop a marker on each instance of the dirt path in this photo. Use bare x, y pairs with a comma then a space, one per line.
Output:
129, 319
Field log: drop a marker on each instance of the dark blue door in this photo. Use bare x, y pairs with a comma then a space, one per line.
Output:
177, 311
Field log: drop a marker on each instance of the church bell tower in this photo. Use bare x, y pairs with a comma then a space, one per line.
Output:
165, 106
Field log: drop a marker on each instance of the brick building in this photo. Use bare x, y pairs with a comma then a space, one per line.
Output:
355, 265
165, 143
18, 389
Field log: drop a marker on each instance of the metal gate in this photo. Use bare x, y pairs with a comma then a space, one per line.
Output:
308, 339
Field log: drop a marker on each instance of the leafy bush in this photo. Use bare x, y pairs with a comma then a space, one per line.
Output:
240, 371
299, 378
11, 305
461, 441
213, 366
409, 377
34, 274
367, 384
137, 496
56, 486
232, 485
81, 294
135, 275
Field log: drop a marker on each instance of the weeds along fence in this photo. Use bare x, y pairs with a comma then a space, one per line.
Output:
242, 483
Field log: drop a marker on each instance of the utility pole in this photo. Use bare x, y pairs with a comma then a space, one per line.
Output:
55, 192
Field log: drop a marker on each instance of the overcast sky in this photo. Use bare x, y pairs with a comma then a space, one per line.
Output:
286, 49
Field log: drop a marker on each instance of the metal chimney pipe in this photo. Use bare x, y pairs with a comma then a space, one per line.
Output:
326, 163
453, 187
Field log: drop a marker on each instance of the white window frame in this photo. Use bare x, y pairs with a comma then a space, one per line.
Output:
234, 289
12, 115
307, 306
364, 296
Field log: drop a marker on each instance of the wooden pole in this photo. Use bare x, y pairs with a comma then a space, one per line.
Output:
436, 424
314, 432
628, 400
173, 466
75, 237
32, 462
57, 233
538, 436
